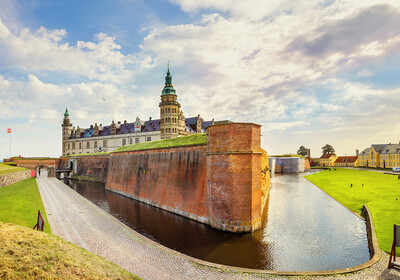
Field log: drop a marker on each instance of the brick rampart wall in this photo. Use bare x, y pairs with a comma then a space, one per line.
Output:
224, 184
234, 176
33, 163
169, 178
221, 184
11, 178
94, 168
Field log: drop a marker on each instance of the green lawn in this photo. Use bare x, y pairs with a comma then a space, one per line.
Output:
20, 202
89, 154
195, 139
379, 191
5, 168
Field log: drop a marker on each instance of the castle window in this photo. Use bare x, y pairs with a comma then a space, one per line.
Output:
87, 145
123, 142
95, 144
136, 140
131, 141
73, 145
104, 143
148, 138
169, 110
80, 145
69, 146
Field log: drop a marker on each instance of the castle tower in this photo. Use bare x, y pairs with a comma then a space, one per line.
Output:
170, 111
66, 131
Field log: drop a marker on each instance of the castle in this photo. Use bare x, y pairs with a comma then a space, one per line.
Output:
99, 138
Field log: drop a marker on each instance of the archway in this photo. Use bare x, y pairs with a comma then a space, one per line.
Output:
45, 171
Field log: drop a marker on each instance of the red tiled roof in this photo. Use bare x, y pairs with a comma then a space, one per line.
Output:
346, 159
327, 155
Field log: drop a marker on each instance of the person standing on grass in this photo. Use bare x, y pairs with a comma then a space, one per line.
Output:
39, 172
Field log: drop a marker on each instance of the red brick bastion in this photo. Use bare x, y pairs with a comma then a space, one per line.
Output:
224, 183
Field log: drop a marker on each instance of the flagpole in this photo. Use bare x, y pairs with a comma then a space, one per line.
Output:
10, 144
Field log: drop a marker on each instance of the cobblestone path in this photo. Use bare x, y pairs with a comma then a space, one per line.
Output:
75, 219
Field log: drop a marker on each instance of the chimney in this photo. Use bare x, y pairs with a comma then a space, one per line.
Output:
357, 153
309, 153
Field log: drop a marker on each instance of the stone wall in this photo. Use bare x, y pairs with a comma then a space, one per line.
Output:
11, 178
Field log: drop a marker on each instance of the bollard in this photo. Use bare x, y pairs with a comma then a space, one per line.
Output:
40, 222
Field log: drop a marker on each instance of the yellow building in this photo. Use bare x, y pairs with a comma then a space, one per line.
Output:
351, 161
380, 155
327, 160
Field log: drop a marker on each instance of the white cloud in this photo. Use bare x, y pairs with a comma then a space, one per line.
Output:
45, 50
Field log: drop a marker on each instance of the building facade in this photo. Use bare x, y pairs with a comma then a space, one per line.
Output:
98, 138
327, 160
380, 156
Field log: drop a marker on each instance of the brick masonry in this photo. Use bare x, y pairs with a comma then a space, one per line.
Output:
11, 178
33, 163
224, 184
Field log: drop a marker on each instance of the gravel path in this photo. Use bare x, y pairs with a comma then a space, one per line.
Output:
75, 219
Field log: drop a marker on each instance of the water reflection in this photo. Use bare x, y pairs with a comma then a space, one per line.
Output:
305, 230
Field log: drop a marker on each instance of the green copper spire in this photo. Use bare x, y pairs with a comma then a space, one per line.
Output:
168, 88
66, 114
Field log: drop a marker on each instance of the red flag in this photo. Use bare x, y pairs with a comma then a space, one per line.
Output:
9, 130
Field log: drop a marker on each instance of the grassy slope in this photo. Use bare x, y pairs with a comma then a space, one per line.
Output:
4, 168
194, 139
380, 192
89, 154
20, 203
28, 254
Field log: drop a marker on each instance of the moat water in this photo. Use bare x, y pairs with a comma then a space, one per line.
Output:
303, 229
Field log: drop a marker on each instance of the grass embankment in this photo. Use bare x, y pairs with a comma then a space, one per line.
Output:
32, 158
5, 168
29, 254
20, 203
195, 139
354, 188
89, 154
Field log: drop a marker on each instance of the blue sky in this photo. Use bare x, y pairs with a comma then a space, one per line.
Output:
310, 72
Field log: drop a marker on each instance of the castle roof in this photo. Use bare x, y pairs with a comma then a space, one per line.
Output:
148, 126
168, 88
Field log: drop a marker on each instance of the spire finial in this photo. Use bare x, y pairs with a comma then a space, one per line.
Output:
66, 112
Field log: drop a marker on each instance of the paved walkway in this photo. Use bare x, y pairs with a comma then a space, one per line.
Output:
75, 219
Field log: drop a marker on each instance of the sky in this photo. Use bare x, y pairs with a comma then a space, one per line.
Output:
310, 72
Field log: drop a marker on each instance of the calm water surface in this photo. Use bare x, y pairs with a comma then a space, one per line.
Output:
303, 230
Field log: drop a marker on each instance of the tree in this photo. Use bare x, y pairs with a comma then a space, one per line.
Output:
302, 151
328, 149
